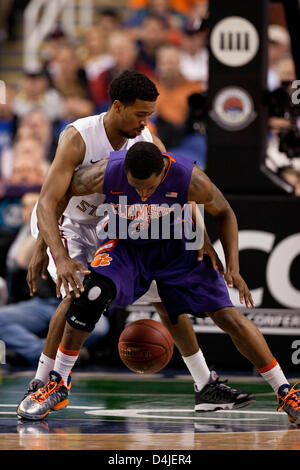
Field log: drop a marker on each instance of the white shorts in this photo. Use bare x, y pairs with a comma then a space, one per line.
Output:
81, 243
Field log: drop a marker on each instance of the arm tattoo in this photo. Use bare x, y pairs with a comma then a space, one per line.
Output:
85, 181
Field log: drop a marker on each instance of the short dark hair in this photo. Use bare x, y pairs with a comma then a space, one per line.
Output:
143, 159
131, 85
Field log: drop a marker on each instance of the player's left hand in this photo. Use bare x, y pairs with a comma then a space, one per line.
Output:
234, 278
209, 250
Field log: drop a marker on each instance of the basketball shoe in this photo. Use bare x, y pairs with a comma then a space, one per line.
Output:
215, 395
34, 386
289, 401
52, 396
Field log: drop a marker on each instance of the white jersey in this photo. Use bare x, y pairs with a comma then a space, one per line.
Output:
83, 208
78, 224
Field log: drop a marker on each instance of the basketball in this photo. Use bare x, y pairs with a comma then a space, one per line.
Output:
145, 346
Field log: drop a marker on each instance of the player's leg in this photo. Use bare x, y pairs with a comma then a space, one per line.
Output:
245, 335
185, 340
99, 291
210, 393
251, 343
53, 339
112, 274
78, 241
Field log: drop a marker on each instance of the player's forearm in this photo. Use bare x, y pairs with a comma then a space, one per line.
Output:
88, 180
49, 234
228, 233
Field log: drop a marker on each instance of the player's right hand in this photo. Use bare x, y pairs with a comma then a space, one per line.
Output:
67, 276
38, 265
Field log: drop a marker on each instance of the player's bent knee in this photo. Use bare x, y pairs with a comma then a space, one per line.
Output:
86, 310
228, 319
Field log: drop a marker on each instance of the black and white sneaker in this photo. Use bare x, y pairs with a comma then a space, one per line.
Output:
218, 396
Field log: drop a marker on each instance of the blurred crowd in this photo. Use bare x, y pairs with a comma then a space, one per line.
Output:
166, 40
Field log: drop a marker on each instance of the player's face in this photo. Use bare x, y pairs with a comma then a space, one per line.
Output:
134, 118
145, 188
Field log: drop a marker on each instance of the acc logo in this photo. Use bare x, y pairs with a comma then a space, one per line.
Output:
233, 109
234, 41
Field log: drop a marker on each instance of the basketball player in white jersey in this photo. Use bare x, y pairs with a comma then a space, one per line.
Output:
73, 241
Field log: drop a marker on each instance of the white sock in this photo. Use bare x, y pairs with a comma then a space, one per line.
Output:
46, 364
198, 368
273, 374
64, 362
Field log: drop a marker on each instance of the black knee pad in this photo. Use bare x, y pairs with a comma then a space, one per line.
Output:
86, 310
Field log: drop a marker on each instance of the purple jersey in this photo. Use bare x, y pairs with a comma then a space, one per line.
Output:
184, 284
140, 214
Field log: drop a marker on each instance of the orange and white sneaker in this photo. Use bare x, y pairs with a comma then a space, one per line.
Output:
289, 401
53, 396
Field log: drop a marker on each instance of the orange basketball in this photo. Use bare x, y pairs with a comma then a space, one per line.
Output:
145, 346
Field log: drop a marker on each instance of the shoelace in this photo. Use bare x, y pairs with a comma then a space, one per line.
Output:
43, 393
291, 395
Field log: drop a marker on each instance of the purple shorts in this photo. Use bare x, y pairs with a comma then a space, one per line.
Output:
184, 284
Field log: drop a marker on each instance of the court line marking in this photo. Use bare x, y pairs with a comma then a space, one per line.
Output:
150, 414
163, 413
71, 406
159, 410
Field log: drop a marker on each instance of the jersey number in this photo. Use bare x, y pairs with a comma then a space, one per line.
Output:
84, 206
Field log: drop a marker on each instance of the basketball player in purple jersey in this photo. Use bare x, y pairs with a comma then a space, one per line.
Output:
123, 269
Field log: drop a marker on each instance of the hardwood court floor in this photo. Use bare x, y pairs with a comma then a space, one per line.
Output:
130, 412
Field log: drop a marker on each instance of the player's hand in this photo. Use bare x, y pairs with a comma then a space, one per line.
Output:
209, 250
67, 275
38, 265
234, 278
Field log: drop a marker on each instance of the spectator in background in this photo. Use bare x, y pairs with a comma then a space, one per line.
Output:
194, 53
35, 91
5, 11
174, 90
124, 51
25, 163
36, 124
278, 48
276, 158
8, 120
108, 21
278, 155
152, 34
28, 172
24, 322
50, 47
183, 6
24, 325
285, 69
67, 75
69, 79
172, 18
20, 252
198, 10
292, 176
94, 52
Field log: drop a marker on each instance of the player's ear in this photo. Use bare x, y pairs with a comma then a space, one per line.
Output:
118, 106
